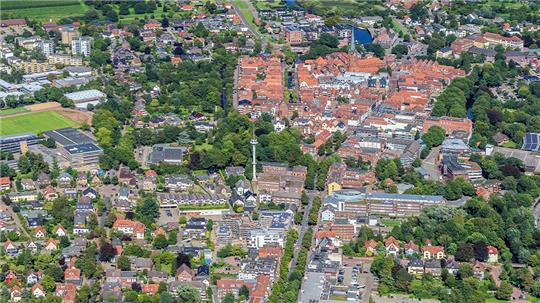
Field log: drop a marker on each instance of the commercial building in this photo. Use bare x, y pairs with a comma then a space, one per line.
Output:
166, 153
18, 143
382, 204
79, 149
83, 98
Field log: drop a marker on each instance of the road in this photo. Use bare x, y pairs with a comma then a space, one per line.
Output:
430, 165
305, 220
16, 219
250, 27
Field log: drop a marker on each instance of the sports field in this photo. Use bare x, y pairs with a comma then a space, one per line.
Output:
42, 10
37, 122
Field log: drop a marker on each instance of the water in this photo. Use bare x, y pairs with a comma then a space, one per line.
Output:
290, 2
362, 36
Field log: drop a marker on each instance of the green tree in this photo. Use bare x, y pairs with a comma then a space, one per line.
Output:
147, 210
504, 292
434, 136
123, 263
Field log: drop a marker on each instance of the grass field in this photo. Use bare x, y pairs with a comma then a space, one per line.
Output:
42, 10
34, 122
11, 111
244, 9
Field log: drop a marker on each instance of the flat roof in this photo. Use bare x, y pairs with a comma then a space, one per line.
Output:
85, 95
82, 148
68, 136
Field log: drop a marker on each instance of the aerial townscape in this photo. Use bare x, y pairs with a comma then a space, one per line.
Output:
269, 151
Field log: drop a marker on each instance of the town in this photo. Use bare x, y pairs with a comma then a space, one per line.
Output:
265, 151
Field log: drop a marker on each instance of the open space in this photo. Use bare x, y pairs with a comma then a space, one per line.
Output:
34, 122
11, 111
42, 10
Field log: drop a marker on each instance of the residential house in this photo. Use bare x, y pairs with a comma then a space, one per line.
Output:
60, 231
15, 293
33, 277
10, 248
50, 245
38, 291
128, 227
64, 180
410, 248
184, 273
432, 252
415, 267
28, 184
5, 183
49, 193
391, 245
371, 247
39, 232
493, 254
73, 275
433, 267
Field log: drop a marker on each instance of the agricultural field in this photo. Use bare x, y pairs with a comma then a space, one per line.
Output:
37, 122
349, 8
42, 10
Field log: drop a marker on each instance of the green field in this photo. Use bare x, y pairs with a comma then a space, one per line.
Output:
244, 9
42, 10
10, 111
34, 122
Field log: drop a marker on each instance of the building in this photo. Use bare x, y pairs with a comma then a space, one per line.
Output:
18, 143
263, 237
128, 227
46, 47
80, 150
33, 67
81, 46
83, 98
64, 59
166, 153
68, 35
382, 204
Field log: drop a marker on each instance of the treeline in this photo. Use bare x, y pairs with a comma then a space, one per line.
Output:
287, 287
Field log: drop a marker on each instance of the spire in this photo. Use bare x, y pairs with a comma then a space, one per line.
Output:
254, 154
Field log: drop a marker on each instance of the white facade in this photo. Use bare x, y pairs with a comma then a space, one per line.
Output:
81, 46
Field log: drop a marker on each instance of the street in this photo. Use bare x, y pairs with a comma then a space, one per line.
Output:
303, 228
429, 164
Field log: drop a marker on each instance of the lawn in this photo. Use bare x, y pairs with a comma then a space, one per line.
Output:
158, 12
203, 207
244, 9
493, 300
42, 10
10, 111
34, 122
391, 223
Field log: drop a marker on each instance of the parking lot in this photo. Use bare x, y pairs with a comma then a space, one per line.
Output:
168, 215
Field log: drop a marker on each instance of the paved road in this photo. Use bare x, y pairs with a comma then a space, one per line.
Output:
305, 220
16, 219
429, 164
250, 27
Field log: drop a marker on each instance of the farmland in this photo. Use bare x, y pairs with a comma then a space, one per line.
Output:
34, 122
42, 10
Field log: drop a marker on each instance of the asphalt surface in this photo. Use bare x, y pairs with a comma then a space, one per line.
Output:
303, 229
